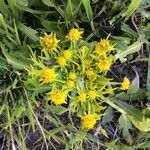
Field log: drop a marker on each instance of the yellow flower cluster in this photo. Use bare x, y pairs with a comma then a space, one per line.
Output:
81, 75
49, 42
74, 35
47, 76
125, 84
88, 121
58, 97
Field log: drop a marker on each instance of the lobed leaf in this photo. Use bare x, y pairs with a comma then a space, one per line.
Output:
124, 124
135, 47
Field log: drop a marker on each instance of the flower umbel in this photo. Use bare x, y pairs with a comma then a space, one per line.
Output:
58, 97
47, 76
49, 42
74, 35
88, 121
125, 84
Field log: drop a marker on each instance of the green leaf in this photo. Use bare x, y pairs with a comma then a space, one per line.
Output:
29, 32
145, 14
2, 108
135, 116
134, 87
12, 6
22, 2
143, 125
135, 47
40, 89
112, 143
132, 7
138, 96
108, 115
17, 113
89, 12
52, 27
30, 111
32, 11
144, 145
123, 147
69, 11
3, 63
124, 124
3, 8
127, 29
103, 131
79, 136
129, 109
51, 3
88, 9
59, 110
15, 60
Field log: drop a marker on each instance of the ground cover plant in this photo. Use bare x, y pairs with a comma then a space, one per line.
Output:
74, 74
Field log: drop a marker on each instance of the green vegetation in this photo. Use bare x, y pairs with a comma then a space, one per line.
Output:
74, 74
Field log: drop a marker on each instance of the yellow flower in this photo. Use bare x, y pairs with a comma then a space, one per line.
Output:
125, 84
67, 54
92, 94
74, 35
104, 64
82, 97
72, 75
103, 47
47, 76
88, 121
90, 73
58, 97
61, 61
70, 84
49, 42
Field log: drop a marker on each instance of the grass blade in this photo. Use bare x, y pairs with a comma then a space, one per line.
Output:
132, 7
89, 12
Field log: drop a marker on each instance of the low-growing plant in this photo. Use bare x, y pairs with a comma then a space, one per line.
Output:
73, 74
68, 91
